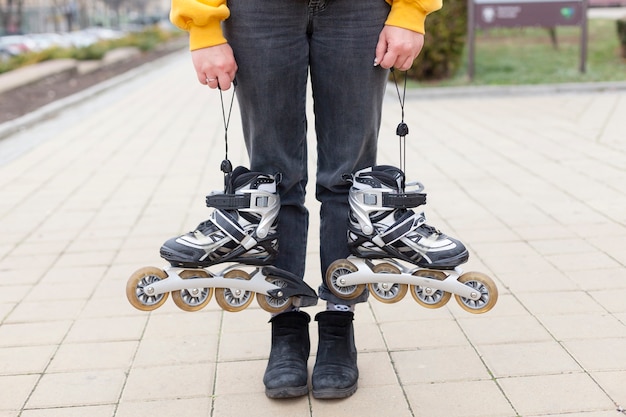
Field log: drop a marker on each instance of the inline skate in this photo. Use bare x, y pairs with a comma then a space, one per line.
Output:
393, 249
241, 232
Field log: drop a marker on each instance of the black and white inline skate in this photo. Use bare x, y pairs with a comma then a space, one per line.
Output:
393, 249
241, 234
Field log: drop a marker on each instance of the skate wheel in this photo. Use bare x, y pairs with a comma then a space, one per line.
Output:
135, 289
430, 297
387, 292
192, 299
271, 304
483, 286
333, 277
234, 300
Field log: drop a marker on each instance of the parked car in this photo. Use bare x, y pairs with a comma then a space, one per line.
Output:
16, 44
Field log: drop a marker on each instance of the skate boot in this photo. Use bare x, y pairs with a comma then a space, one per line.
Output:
393, 249
241, 233
242, 228
382, 223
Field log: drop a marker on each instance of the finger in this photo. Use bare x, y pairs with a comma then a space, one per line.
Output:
389, 60
224, 83
212, 82
405, 64
381, 48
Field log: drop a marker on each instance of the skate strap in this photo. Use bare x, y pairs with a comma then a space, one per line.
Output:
399, 229
403, 200
228, 201
229, 225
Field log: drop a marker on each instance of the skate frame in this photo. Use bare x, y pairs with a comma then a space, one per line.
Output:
364, 275
256, 283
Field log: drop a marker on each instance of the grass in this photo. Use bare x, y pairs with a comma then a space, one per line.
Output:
512, 56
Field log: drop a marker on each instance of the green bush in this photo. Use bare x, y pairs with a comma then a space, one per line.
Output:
446, 30
621, 34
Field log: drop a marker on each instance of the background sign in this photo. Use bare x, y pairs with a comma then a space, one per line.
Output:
485, 14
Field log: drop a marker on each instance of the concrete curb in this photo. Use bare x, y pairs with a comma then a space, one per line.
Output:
511, 90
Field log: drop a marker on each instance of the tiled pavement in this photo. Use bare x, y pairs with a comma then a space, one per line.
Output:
534, 184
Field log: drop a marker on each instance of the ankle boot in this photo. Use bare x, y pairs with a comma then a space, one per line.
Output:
335, 373
286, 373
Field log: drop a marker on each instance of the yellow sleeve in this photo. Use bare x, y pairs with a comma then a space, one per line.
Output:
202, 19
411, 14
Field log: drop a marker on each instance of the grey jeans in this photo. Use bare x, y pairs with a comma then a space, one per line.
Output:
278, 44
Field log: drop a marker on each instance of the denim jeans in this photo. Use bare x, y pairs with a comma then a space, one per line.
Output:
278, 44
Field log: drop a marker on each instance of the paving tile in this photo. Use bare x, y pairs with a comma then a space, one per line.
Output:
25, 359
165, 408
368, 338
525, 359
599, 354
597, 413
383, 400
174, 350
36, 333
91, 411
244, 346
73, 357
77, 389
521, 280
100, 307
612, 382
74, 274
37, 311
555, 394
5, 309
417, 334
611, 299
169, 382
236, 405
106, 329
63, 291
242, 376
375, 370
568, 302
13, 293
436, 365
488, 329
406, 309
182, 324
15, 389
583, 326
458, 399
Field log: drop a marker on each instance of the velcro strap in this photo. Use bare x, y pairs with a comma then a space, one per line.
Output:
228, 201
229, 226
403, 200
397, 231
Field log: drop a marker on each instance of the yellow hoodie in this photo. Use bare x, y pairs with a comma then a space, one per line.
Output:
202, 18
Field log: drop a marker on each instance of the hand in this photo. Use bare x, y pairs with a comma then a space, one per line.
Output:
398, 47
215, 66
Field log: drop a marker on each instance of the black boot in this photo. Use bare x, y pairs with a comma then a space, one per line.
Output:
335, 373
286, 373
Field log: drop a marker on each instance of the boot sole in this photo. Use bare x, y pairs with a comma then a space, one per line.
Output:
286, 392
334, 393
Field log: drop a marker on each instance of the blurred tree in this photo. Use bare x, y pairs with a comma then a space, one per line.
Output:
446, 30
